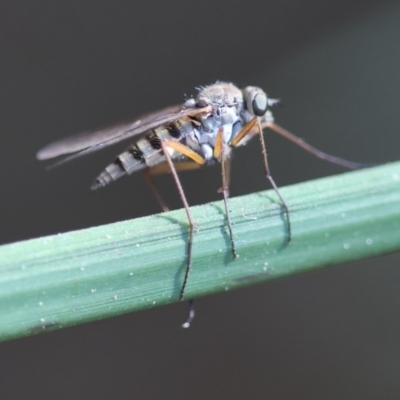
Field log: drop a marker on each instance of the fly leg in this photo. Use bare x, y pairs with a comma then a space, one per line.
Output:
219, 153
249, 129
315, 152
163, 169
179, 147
152, 185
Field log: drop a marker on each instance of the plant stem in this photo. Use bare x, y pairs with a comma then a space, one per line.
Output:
80, 276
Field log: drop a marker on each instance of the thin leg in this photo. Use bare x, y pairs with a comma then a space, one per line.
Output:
225, 169
156, 192
269, 177
249, 129
180, 166
317, 153
162, 169
191, 315
191, 228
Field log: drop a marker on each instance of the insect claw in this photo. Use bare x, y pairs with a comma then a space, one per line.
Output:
190, 318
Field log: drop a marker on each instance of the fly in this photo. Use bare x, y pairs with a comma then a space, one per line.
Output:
202, 131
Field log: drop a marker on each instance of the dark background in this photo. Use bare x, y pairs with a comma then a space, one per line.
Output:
71, 66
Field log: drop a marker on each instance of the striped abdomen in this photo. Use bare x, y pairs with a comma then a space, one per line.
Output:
145, 153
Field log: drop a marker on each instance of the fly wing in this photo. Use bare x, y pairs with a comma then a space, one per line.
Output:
89, 142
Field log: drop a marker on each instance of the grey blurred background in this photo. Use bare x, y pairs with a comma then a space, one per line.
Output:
70, 66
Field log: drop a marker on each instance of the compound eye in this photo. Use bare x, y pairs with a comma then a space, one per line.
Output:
259, 104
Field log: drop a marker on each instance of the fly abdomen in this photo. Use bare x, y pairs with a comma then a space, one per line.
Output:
154, 140
177, 129
146, 152
128, 162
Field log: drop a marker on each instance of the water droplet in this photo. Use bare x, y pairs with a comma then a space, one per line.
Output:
346, 246
115, 297
395, 177
108, 236
369, 241
82, 268
343, 215
92, 290
327, 234
40, 303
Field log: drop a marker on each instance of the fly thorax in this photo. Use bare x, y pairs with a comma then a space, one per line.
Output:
208, 131
219, 93
192, 139
228, 115
207, 151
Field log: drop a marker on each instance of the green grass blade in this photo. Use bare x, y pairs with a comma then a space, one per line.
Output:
67, 279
